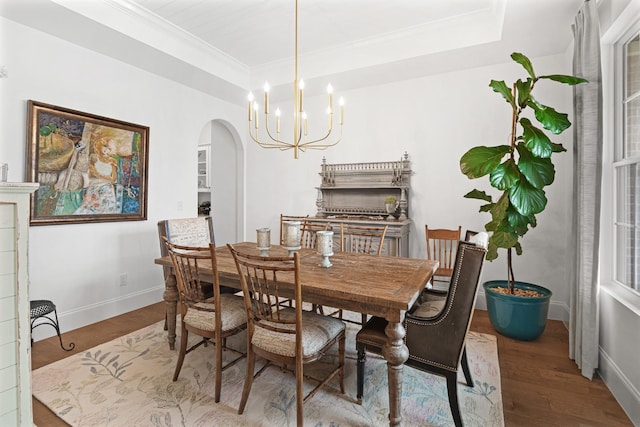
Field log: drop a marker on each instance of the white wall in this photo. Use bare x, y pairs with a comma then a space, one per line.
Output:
78, 266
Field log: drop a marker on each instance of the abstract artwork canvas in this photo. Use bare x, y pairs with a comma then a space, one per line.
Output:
90, 168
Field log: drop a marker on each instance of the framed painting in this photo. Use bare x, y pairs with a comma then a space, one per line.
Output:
90, 168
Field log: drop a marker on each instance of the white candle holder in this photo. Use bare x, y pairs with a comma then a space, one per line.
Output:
291, 236
264, 240
324, 245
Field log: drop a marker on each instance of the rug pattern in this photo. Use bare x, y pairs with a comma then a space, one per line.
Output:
127, 382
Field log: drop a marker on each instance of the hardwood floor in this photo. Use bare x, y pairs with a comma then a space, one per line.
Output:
541, 386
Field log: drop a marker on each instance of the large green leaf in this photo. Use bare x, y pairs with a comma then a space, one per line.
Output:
492, 251
527, 199
535, 139
499, 209
504, 239
504, 175
477, 194
570, 80
518, 248
480, 161
551, 120
524, 61
538, 171
501, 87
518, 223
524, 91
486, 208
557, 148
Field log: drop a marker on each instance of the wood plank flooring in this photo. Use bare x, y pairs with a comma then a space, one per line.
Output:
541, 386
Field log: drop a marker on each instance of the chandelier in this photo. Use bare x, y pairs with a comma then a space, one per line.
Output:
300, 140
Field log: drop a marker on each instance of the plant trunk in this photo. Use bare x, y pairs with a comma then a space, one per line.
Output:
510, 278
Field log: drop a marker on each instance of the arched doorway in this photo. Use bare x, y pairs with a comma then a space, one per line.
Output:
226, 172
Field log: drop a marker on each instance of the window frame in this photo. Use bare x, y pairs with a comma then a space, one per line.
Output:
626, 27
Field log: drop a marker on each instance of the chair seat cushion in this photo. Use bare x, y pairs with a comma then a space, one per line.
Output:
430, 303
317, 331
372, 333
232, 311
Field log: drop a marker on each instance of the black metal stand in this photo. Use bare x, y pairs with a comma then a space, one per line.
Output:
41, 309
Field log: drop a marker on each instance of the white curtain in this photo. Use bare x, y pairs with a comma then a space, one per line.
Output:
587, 151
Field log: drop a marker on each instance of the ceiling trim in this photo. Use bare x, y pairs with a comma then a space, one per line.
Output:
128, 18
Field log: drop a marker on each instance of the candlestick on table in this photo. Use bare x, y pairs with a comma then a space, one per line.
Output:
264, 240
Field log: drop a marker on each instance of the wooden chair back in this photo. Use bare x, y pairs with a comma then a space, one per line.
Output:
187, 261
196, 232
308, 232
441, 246
362, 239
262, 279
284, 218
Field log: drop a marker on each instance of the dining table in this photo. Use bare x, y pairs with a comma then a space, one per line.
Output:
383, 286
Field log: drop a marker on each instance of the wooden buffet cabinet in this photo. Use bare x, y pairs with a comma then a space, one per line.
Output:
355, 193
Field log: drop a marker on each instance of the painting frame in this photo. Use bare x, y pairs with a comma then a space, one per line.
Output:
90, 168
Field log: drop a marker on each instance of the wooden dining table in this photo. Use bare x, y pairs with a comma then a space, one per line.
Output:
376, 285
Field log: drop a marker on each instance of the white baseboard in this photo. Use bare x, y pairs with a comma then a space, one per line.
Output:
622, 389
557, 310
83, 316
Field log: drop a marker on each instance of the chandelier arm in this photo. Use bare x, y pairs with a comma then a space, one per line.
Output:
279, 144
321, 146
304, 144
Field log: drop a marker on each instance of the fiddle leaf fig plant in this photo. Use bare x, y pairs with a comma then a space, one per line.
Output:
521, 169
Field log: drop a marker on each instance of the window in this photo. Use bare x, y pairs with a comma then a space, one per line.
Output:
626, 163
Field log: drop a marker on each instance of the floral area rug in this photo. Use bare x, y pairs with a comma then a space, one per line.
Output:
128, 382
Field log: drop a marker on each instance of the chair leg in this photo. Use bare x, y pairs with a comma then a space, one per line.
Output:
362, 358
219, 346
184, 335
452, 390
364, 318
341, 351
299, 393
57, 326
248, 380
465, 367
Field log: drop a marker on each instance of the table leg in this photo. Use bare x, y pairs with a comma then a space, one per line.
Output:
171, 298
396, 353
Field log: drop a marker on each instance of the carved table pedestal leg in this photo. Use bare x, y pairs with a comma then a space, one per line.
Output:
171, 297
396, 353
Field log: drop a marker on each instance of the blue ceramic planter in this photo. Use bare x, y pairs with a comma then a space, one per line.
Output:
521, 318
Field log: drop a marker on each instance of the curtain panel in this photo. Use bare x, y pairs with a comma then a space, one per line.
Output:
587, 163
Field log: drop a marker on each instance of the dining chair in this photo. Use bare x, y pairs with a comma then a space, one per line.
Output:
284, 336
195, 232
469, 234
216, 317
441, 247
435, 330
362, 240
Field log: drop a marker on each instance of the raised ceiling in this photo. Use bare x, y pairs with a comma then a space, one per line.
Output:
225, 47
